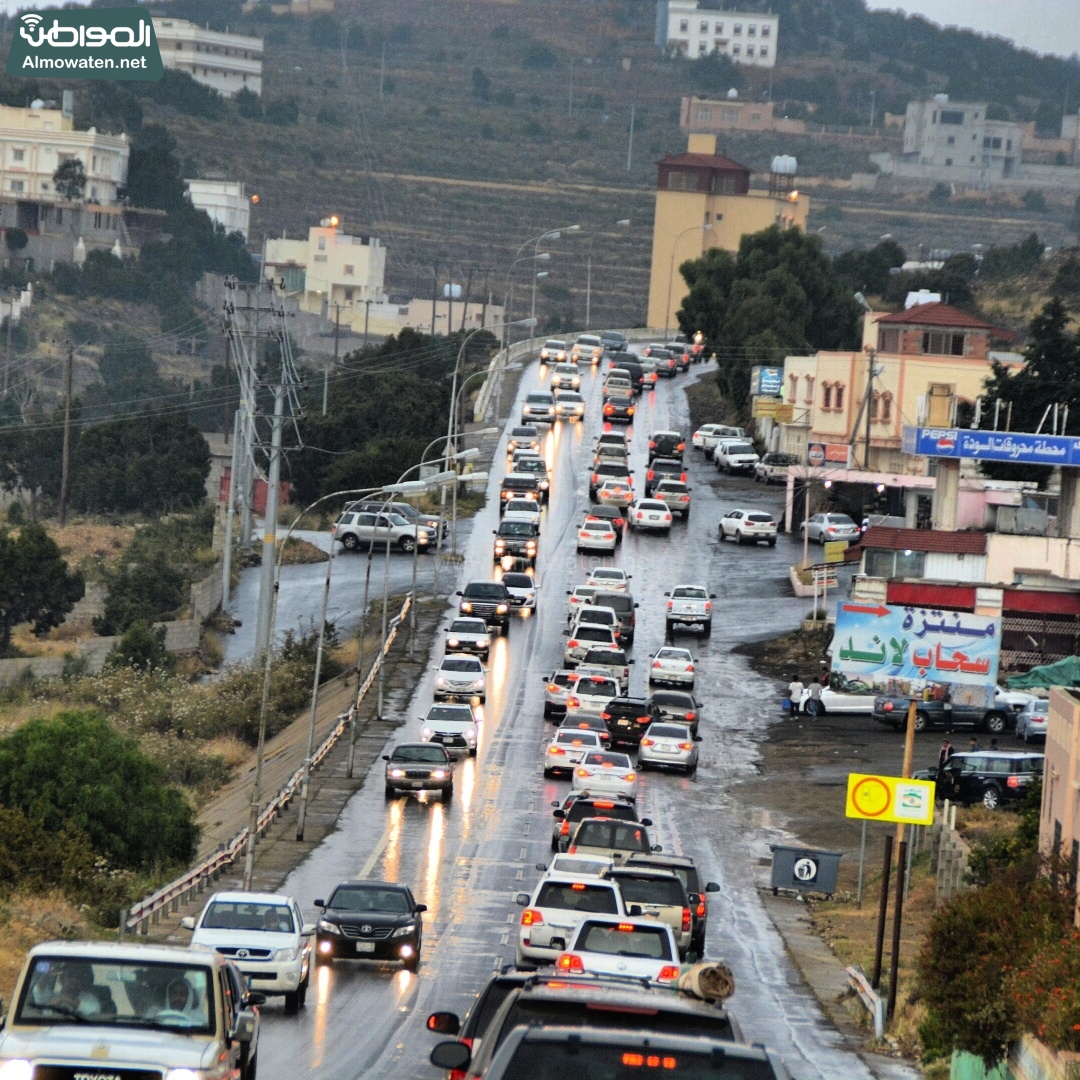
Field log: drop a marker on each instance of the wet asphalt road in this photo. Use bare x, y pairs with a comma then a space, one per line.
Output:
467, 861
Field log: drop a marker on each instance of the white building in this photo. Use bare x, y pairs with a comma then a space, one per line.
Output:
225, 62
34, 142
224, 201
957, 136
743, 37
331, 273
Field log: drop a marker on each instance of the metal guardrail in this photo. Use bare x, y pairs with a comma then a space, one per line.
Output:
148, 910
873, 1004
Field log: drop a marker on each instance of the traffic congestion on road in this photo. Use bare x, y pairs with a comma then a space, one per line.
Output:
551, 838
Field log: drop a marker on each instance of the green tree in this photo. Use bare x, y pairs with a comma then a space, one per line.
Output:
15, 238
355, 38
154, 175
75, 771
869, 271
1034, 201
70, 179
36, 585
283, 112
538, 57
142, 647
30, 453
1012, 261
248, 104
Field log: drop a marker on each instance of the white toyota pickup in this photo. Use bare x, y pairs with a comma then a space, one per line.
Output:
689, 605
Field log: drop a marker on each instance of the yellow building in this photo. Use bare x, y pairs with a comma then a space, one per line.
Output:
703, 201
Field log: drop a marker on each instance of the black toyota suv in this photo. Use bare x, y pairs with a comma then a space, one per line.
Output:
487, 600
515, 541
604, 1008
663, 468
666, 444
370, 920
633, 368
628, 717
579, 805
518, 486
993, 777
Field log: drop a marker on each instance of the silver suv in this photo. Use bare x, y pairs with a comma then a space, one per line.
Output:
357, 529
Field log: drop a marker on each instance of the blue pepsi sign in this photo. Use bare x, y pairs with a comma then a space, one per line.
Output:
1018, 447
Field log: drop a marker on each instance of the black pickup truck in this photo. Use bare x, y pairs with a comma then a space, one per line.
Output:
944, 714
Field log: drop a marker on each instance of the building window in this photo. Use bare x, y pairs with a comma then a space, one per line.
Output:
809, 399
755, 118
682, 181
17, 185
704, 28
951, 140
320, 258
322, 243
764, 50
952, 116
736, 50
684, 26
59, 215
749, 50
738, 28
751, 30
179, 46
793, 393
839, 388
942, 343
704, 114
826, 396
948, 161
348, 296
895, 564
18, 155
888, 341
702, 47
719, 27
731, 116
765, 31
886, 407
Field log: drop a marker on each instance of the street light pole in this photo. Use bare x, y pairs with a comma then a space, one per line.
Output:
706, 227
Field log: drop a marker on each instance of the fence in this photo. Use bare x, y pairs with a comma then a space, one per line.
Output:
949, 854
191, 884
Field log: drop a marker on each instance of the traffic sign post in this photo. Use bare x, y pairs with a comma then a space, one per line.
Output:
890, 798
834, 550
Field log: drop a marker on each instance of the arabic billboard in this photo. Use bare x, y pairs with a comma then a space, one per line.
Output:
767, 381
904, 649
992, 445
819, 453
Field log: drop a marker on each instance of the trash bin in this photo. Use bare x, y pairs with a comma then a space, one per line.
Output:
804, 870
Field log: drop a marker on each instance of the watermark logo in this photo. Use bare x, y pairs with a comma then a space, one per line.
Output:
105, 43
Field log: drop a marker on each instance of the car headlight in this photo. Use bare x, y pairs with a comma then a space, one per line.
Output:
286, 956
397, 774
328, 927
21, 1069
404, 931
453, 642
544, 485
500, 545
426, 733
480, 682
466, 606
501, 609
469, 733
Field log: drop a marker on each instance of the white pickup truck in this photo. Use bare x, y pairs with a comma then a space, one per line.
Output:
689, 605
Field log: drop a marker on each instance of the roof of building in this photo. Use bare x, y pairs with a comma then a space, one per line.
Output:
944, 315
952, 543
709, 161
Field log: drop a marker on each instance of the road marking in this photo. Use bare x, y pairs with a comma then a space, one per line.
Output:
523, 853
374, 857
519, 875
511, 917
505, 938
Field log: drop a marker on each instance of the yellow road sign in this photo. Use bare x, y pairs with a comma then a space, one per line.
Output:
890, 798
834, 550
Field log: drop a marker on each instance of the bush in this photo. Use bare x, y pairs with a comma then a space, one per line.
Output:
1035, 201
538, 57
248, 104
1045, 992
941, 192
147, 592
324, 32
1067, 278
74, 772
506, 98
142, 647
15, 238
283, 112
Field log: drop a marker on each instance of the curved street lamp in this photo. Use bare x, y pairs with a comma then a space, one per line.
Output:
704, 227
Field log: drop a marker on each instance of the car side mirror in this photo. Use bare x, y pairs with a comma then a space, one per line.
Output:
712, 886
445, 1023
629, 661
638, 605
560, 814
188, 922
555, 802
450, 1055
666, 594
542, 867
244, 1029
320, 904
458, 593
522, 899
307, 929
635, 909
657, 848
647, 822
254, 997
712, 596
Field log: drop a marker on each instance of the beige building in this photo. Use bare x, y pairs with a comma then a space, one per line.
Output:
225, 201
682, 26
226, 63
34, 142
1059, 825
419, 314
703, 201
331, 273
729, 114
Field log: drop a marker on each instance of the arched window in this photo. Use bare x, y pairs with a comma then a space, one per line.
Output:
839, 396
886, 407
826, 395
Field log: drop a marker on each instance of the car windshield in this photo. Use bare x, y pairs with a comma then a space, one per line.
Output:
245, 915
671, 485
608, 575
539, 399
577, 896
458, 714
649, 890
652, 504
540, 1058
624, 939
426, 755
468, 626
673, 654
370, 898
517, 528
531, 465
576, 738
569, 395
593, 633
674, 701
781, 459
518, 581
461, 664
524, 432
121, 993
600, 616
596, 526
616, 601
574, 864
551, 343
689, 593
617, 835
739, 448
522, 506
763, 518
485, 591
1041, 707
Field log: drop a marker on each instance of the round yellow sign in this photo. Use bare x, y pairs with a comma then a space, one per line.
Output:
871, 797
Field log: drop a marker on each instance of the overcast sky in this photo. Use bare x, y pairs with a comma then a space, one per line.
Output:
1042, 25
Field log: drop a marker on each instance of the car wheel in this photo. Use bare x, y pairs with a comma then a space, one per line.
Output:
740, 539
706, 629
350, 542
448, 794
292, 1003
472, 751
669, 629
991, 797
922, 721
995, 723
548, 774
547, 710
390, 792
413, 962
691, 770
407, 544
772, 541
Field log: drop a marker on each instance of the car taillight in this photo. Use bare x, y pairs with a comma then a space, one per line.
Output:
656, 663
572, 644
1013, 782
701, 910
461, 1074
629, 777
565, 830
830, 529
608, 410
668, 973
681, 446
570, 962
556, 750
596, 478
651, 474
573, 701
690, 715
887, 707
670, 604
583, 772
531, 917
552, 688
686, 746
685, 919
605, 716
648, 742
630, 411
689, 667
708, 605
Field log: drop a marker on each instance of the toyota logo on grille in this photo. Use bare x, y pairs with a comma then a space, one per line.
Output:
365, 929
242, 953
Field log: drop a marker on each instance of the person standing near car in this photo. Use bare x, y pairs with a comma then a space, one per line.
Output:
944, 754
795, 693
813, 706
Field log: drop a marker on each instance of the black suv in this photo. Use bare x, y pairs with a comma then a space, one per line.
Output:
487, 600
628, 717
992, 777
663, 468
370, 920
485, 1005
666, 444
515, 541
518, 486
579, 805
633, 368
623, 604
682, 866
607, 470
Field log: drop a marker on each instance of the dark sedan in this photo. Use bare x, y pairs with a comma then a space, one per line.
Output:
370, 920
677, 705
612, 514
619, 410
628, 717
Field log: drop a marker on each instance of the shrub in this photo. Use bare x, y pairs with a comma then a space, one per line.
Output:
1035, 201
145, 592
324, 32
283, 112
538, 56
15, 238
75, 772
941, 192
506, 98
1067, 278
248, 104
142, 647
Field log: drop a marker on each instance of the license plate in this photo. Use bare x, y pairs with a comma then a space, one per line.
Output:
667, 749
417, 784
365, 946
624, 723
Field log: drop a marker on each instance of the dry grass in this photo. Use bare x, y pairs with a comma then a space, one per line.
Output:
14, 716
87, 540
230, 749
53, 644
299, 552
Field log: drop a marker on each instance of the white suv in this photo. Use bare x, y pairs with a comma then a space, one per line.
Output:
265, 935
735, 455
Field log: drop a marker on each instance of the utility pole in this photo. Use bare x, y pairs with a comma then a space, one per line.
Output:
630, 145
269, 553
225, 415
434, 294
869, 402
367, 319
7, 363
337, 335
230, 511
588, 292
325, 388
872, 104
65, 461
570, 103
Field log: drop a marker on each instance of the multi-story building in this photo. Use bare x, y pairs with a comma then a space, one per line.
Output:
331, 273
730, 114
225, 202
703, 201
227, 63
1059, 822
743, 37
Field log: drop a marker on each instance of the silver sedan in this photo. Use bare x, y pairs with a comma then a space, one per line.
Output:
668, 746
